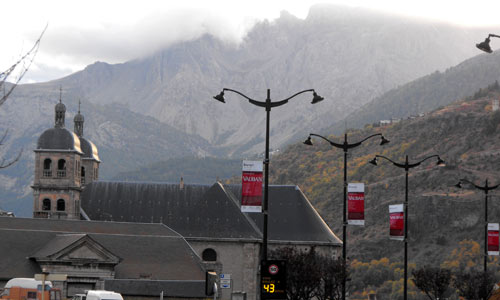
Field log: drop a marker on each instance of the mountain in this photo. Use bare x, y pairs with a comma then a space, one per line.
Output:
125, 140
466, 134
349, 55
158, 107
427, 93
193, 170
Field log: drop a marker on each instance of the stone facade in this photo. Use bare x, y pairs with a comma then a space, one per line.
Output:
64, 163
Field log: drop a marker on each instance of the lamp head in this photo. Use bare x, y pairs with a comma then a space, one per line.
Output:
220, 97
316, 98
373, 161
384, 141
485, 46
308, 141
440, 162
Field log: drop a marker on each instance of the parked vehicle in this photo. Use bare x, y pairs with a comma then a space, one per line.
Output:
29, 289
98, 295
79, 297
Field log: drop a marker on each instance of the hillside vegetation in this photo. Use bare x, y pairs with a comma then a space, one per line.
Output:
465, 134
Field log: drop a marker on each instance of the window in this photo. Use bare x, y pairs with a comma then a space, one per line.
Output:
82, 174
47, 167
61, 205
46, 204
31, 295
61, 168
209, 255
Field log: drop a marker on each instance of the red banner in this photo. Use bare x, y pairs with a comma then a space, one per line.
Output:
356, 204
251, 186
397, 222
493, 247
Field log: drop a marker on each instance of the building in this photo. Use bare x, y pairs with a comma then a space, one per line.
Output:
208, 217
138, 260
64, 162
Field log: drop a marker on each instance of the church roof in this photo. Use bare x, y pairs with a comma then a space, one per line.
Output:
195, 211
213, 212
58, 138
89, 149
143, 248
291, 217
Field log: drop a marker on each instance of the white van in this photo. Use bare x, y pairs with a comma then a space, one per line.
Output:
103, 295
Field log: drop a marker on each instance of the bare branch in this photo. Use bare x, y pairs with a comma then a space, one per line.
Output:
4, 164
3, 137
23, 65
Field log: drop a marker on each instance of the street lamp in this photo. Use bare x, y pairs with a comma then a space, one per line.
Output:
486, 189
485, 46
406, 165
345, 146
267, 104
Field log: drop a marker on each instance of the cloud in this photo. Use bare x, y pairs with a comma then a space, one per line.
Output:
119, 42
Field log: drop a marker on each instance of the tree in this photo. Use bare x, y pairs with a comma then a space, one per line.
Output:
311, 275
333, 272
8, 82
433, 281
474, 285
303, 272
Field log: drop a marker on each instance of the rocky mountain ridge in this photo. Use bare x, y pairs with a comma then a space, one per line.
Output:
466, 134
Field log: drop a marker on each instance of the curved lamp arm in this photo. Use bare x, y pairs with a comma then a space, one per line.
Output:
308, 141
406, 165
345, 145
268, 104
483, 188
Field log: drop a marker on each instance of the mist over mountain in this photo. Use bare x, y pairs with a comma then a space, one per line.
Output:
348, 55
161, 106
427, 93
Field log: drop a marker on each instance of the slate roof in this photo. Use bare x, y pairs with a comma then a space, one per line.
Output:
75, 226
208, 212
186, 289
89, 149
162, 257
195, 211
58, 138
291, 217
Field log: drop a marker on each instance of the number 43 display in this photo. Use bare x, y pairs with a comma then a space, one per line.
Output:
273, 279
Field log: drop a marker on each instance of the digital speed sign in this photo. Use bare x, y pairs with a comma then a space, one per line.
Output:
273, 279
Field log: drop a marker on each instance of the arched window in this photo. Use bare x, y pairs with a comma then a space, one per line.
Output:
209, 255
47, 167
82, 175
61, 205
61, 168
46, 204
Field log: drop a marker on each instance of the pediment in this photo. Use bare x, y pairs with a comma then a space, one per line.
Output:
75, 247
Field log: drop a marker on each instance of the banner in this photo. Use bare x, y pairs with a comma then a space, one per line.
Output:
493, 248
397, 222
356, 204
251, 186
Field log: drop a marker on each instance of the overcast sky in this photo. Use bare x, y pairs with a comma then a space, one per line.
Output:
82, 32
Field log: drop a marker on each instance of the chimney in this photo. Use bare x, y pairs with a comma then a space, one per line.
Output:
181, 184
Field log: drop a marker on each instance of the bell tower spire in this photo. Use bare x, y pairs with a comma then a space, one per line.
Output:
78, 128
60, 111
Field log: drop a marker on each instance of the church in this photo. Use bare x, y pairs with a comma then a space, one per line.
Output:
208, 218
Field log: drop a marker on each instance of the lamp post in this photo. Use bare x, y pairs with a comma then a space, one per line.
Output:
407, 166
485, 46
267, 104
345, 146
486, 189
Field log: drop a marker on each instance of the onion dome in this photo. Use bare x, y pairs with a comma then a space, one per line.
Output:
58, 138
89, 149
